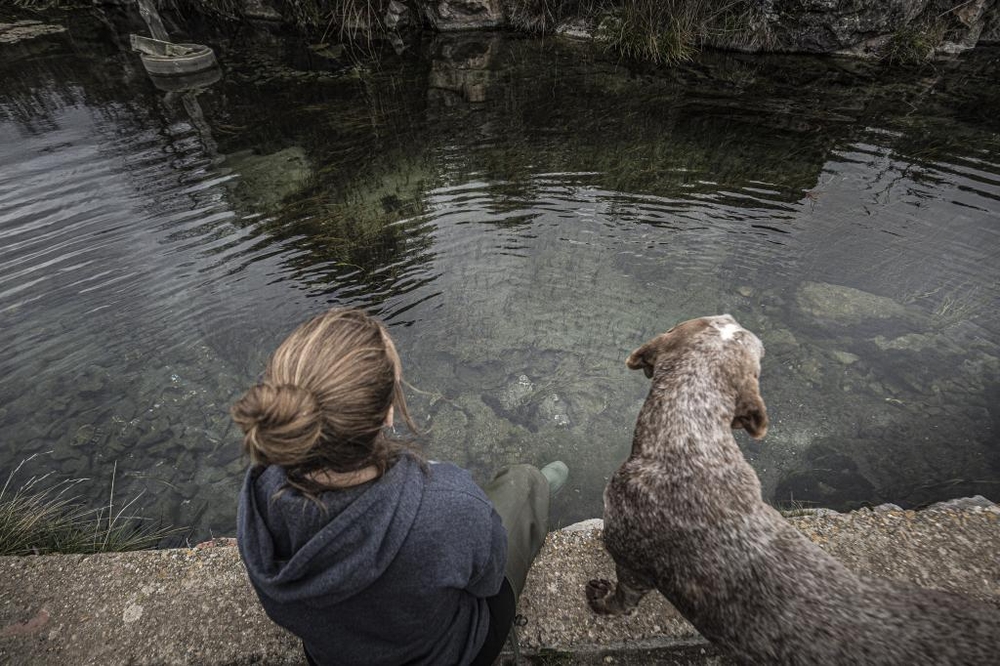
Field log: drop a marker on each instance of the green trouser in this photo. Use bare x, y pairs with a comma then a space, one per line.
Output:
520, 494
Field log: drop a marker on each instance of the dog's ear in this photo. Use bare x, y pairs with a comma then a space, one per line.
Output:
647, 355
643, 358
751, 413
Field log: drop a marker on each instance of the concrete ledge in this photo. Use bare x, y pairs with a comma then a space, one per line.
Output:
195, 606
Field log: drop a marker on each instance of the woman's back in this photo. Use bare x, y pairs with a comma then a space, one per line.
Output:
352, 542
392, 571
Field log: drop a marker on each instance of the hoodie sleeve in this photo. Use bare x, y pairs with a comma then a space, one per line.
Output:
489, 559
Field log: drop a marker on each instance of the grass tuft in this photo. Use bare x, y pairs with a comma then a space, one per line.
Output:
643, 31
912, 45
41, 517
671, 31
792, 508
542, 16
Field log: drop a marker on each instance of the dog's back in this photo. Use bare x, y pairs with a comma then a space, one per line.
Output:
756, 587
684, 514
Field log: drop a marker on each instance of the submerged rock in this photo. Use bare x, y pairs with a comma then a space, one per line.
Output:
491, 440
825, 477
87, 436
516, 393
844, 357
780, 340
845, 306
448, 432
553, 411
265, 180
918, 342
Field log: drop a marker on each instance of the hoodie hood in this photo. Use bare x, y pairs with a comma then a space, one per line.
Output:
296, 552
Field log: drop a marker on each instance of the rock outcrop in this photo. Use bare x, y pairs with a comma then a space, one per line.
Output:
991, 26
447, 15
846, 27
827, 26
856, 27
864, 27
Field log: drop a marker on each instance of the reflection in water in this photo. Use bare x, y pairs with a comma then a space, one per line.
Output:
523, 214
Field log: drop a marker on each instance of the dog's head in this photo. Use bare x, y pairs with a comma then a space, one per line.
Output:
718, 345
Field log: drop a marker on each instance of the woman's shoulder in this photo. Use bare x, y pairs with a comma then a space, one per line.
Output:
455, 515
446, 479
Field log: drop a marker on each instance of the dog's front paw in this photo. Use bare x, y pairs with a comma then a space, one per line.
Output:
599, 592
598, 588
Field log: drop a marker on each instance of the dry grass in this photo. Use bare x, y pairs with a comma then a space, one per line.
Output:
671, 31
912, 45
41, 517
652, 31
542, 16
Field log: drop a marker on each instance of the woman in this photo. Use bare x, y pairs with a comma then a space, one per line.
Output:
352, 541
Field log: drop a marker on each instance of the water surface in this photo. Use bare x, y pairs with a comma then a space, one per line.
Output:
523, 213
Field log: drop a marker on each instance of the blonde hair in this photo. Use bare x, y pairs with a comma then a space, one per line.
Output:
324, 399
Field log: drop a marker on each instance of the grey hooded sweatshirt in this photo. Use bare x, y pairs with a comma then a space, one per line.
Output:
394, 571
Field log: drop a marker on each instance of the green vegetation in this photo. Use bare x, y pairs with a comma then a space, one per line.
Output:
912, 45
660, 31
644, 30
542, 16
36, 519
670, 31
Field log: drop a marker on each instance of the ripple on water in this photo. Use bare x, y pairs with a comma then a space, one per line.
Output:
147, 269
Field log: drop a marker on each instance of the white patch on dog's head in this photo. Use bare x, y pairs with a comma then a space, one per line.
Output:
727, 331
730, 331
726, 325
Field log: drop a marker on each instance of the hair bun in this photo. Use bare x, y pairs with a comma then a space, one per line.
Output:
279, 422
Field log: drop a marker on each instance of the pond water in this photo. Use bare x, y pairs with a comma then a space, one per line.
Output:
523, 213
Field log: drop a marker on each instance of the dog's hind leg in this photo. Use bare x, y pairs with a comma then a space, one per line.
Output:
605, 598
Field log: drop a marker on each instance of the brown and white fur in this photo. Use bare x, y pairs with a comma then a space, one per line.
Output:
684, 515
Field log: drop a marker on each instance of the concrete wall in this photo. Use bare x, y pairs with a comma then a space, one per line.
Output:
195, 606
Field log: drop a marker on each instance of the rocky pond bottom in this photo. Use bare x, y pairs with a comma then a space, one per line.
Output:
523, 213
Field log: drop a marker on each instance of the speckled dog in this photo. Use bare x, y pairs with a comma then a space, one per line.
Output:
684, 515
